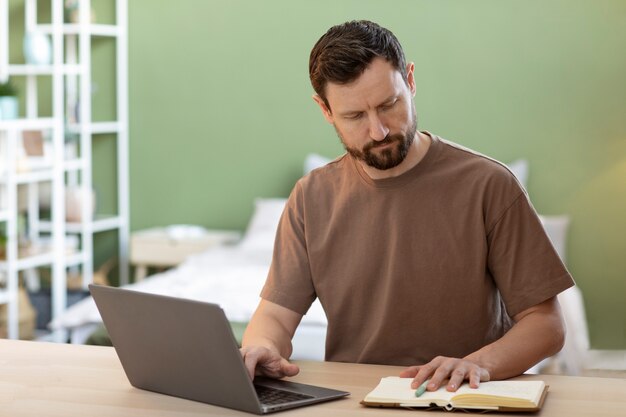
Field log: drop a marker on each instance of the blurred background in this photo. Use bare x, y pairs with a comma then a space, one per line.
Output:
220, 111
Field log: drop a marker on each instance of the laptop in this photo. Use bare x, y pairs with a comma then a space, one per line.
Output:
187, 349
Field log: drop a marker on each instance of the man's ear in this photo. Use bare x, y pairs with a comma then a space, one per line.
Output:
325, 110
410, 77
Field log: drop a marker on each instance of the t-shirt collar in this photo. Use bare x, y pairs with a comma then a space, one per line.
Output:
414, 172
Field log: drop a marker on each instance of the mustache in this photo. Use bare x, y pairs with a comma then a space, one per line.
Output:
388, 139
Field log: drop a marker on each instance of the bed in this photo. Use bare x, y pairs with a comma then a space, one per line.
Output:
233, 276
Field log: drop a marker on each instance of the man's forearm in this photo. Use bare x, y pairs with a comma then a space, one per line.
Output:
272, 326
266, 344
538, 333
276, 339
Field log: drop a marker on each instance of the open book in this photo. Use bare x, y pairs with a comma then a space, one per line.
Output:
493, 395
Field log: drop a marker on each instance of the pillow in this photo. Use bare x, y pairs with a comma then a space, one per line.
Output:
519, 167
313, 161
261, 230
556, 228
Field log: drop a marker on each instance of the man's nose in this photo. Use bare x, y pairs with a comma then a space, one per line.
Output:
378, 128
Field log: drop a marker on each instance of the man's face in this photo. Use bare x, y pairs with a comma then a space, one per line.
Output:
374, 115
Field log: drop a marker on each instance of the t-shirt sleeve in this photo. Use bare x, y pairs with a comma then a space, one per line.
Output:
524, 264
289, 281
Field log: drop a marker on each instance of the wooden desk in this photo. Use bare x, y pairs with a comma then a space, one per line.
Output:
41, 379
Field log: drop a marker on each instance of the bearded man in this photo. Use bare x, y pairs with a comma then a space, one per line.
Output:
422, 253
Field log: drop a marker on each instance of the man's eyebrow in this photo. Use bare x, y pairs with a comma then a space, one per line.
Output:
389, 99
349, 113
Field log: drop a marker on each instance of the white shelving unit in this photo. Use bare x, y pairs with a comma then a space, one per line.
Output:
71, 75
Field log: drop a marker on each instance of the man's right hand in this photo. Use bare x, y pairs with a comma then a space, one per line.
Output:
262, 361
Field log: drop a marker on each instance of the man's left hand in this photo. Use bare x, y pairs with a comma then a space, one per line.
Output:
443, 368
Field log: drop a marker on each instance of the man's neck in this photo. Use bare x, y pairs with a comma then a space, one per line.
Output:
416, 153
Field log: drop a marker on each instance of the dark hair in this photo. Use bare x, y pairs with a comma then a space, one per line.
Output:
343, 53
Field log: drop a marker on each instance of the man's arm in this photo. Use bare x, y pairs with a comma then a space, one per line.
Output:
538, 332
266, 342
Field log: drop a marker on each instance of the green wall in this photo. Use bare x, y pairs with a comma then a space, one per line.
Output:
221, 110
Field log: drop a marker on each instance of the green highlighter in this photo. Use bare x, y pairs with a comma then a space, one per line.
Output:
421, 389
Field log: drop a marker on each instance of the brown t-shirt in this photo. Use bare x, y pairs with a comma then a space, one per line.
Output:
432, 262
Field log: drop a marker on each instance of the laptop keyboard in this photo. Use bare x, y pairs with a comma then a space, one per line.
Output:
273, 396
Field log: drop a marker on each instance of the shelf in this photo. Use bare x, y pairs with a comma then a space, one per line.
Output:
4, 297
75, 164
34, 176
96, 128
27, 124
43, 175
43, 69
29, 262
101, 223
43, 259
63, 166
74, 259
90, 29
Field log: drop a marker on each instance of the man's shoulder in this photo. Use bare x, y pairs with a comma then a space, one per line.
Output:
328, 172
470, 160
459, 151
332, 165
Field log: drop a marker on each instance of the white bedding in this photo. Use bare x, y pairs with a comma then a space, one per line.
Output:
229, 276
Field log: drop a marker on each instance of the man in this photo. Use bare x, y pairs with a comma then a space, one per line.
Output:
421, 252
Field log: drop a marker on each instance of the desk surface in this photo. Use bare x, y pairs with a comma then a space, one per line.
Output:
38, 379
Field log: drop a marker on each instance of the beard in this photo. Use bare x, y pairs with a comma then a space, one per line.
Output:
389, 157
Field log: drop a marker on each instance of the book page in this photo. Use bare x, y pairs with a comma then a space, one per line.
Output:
519, 390
395, 389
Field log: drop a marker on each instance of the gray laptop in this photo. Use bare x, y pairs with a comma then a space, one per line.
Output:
186, 348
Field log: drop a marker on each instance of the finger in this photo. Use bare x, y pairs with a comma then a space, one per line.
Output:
425, 371
269, 364
250, 361
272, 365
441, 374
410, 372
456, 378
484, 375
289, 369
477, 376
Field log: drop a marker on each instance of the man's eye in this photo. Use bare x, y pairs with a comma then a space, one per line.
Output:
355, 116
388, 105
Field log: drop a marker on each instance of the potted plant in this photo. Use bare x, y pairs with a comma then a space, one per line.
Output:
8, 101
